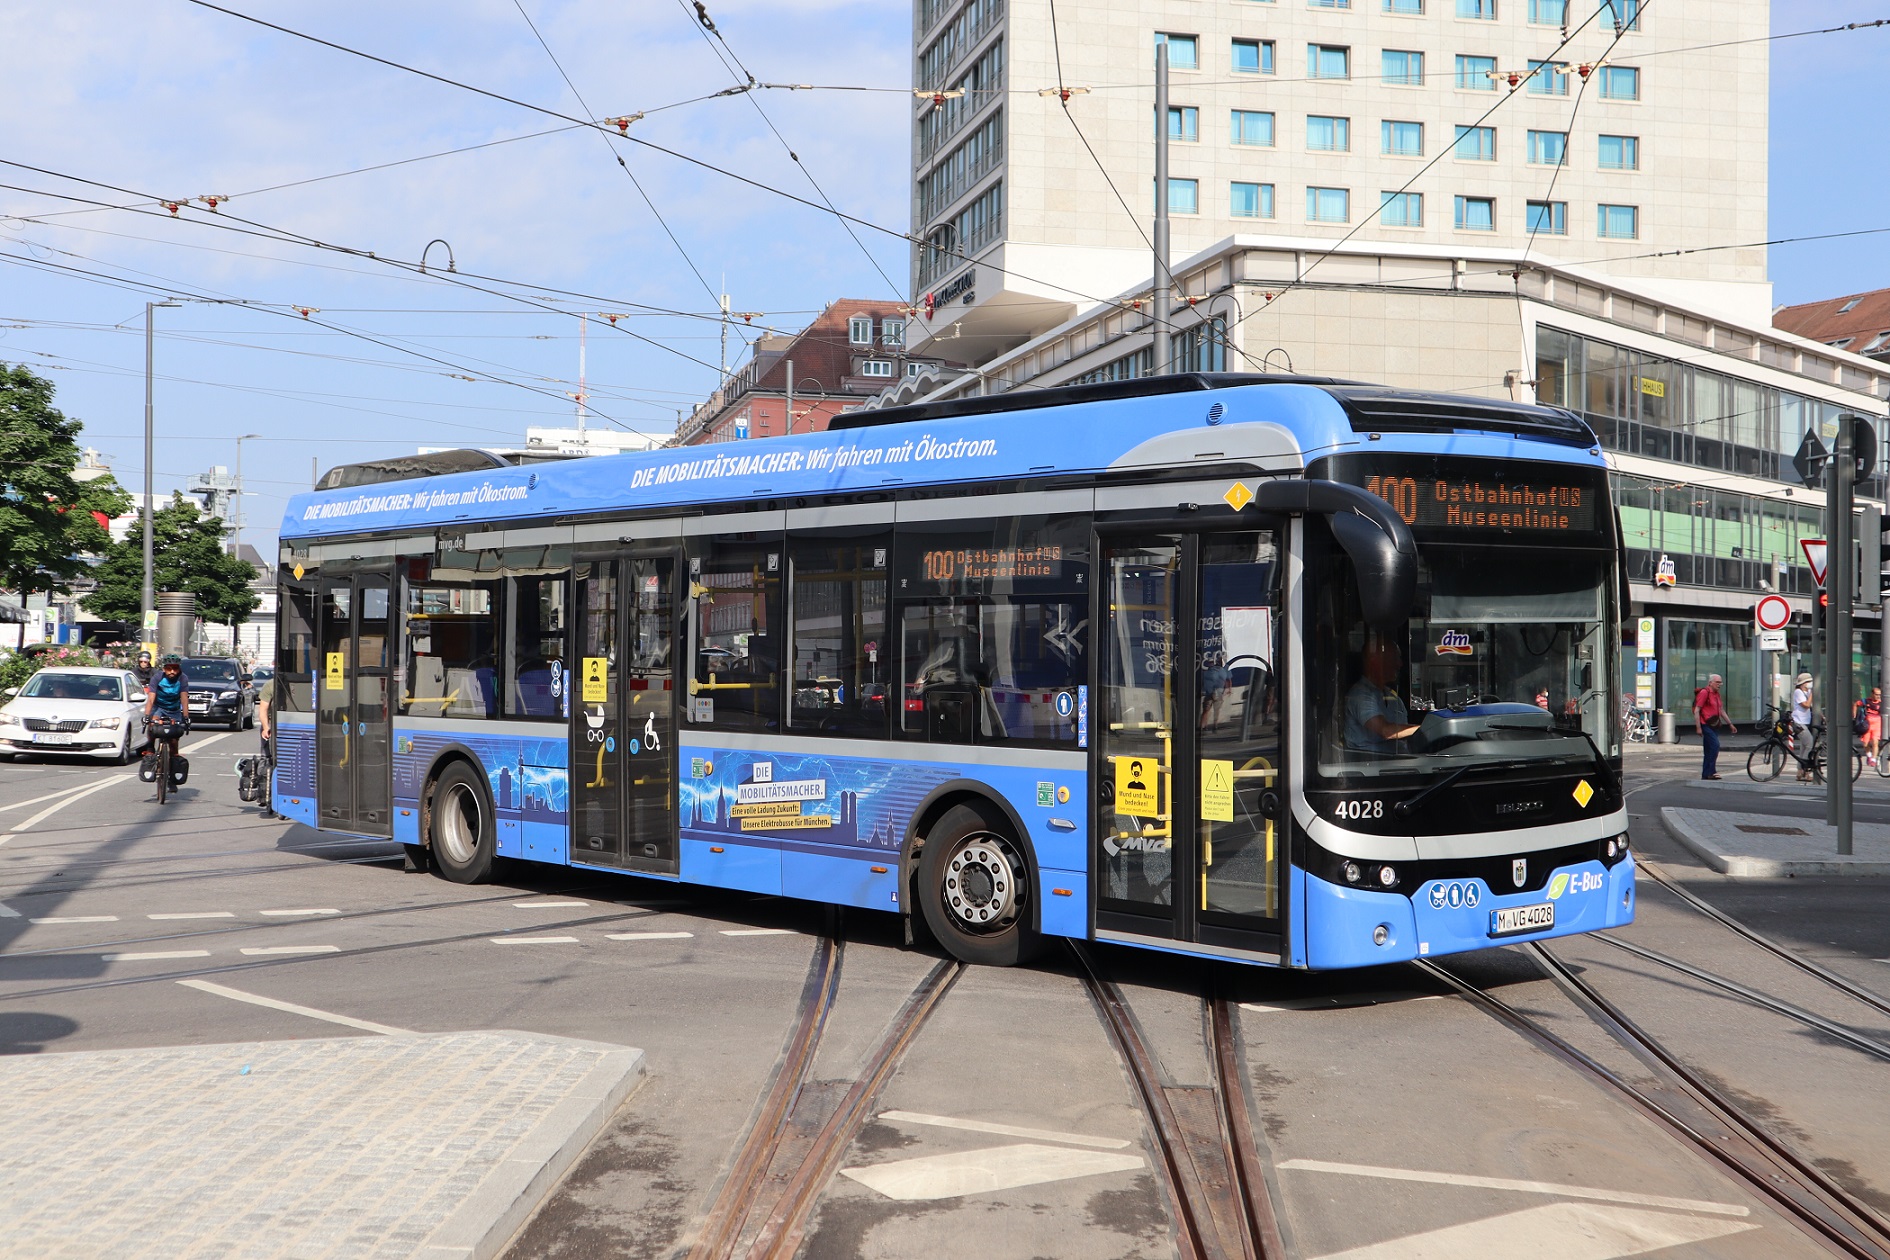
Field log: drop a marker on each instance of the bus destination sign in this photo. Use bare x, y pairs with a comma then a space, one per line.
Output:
981, 564
1462, 503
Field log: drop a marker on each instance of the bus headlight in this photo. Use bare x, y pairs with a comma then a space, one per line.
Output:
1352, 873
1388, 876
1381, 934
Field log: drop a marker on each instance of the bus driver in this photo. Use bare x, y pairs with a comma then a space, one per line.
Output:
1375, 717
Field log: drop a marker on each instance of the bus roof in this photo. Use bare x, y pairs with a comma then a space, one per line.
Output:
1279, 423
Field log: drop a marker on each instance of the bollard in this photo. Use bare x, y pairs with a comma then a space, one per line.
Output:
1667, 735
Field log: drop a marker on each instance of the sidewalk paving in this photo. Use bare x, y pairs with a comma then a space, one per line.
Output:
1768, 846
430, 1145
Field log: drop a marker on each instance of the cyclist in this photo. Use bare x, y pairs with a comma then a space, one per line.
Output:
166, 704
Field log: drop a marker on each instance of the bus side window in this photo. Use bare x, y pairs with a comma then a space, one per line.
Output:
295, 649
452, 650
840, 668
734, 631
534, 682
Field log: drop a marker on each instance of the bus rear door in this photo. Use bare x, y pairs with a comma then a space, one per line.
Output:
353, 785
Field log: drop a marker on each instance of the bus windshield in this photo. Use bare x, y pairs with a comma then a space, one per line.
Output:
1507, 657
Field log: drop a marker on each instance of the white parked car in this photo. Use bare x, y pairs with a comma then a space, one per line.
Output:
75, 710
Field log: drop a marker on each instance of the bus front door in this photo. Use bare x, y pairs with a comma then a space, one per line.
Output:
353, 786
622, 754
1189, 772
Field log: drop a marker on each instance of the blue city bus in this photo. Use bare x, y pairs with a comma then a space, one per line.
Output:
1282, 670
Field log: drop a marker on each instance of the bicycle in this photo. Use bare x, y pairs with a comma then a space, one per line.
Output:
1639, 724
1767, 761
164, 738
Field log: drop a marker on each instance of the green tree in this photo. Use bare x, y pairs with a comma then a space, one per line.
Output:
187, 555
47, 521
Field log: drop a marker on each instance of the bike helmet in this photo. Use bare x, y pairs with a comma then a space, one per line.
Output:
170, 659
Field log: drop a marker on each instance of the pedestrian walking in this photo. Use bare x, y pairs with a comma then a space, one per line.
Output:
1867, 721
1801, 722
265, 724
1708, 712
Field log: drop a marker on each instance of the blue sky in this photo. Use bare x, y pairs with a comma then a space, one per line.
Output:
169, 100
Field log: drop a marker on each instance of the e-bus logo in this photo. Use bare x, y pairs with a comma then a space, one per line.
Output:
1577, 882
1455, 643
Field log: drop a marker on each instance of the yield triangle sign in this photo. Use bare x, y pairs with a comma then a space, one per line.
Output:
1814, 557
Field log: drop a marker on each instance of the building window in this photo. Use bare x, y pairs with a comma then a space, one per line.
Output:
1624, 15
1849, 306
1328, 4
876, 367
1252, 127
1618, 223
860, 330
1620, 83
913, 369
1401, 209
892, 333
1548, 12
1184, 51
1476, 74
1253, 56
1184, 123
1402, 139
1328, 205
1476, 214
1328, 135
1548, 148
1482, 10
1184, 196
1547, 78
1402, 68
1250, 201
1328, 61
1548, 218
1476, 144
1412, 8
1620, 153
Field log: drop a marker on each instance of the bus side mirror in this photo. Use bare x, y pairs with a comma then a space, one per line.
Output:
1387, 576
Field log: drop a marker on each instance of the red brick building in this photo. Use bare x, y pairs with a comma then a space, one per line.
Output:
1858, 322
852, 351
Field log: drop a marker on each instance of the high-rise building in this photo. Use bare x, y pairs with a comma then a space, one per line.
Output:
1533, 199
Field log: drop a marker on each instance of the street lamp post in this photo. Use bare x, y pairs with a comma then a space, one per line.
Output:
236, 548
149, 591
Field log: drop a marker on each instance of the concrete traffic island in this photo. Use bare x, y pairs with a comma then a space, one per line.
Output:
1765, 846
432, 1145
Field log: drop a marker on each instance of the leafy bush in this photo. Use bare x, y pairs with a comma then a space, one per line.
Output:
17, 668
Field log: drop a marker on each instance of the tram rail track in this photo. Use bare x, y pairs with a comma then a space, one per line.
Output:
1694, 1110
1208, 1162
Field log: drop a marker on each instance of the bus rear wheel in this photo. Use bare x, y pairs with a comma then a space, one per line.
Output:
974, 889
461, 827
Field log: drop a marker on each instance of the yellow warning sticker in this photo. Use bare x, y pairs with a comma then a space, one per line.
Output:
596, 680
794, 822
1238, 496
337, 671
297, 570
1135, 786
1217, 791
1583, 793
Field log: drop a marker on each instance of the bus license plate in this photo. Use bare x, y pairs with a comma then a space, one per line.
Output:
54, 737
1513, 919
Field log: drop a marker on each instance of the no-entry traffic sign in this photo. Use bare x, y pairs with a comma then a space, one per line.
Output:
1772, 612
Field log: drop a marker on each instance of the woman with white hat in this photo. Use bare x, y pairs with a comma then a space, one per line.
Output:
1802, 718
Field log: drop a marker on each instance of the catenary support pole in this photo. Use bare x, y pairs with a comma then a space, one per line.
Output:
1841, 576
1163, 351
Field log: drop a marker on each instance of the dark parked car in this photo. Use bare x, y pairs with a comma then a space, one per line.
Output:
220, 691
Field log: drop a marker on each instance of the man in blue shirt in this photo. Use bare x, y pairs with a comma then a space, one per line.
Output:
1375, 716
167, 699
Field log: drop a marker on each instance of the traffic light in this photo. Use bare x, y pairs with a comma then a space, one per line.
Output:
1818, 614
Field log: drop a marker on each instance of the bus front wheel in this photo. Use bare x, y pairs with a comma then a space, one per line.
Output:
974, 887
463, 834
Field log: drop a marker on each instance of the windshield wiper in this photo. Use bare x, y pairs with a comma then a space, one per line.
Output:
1601, 762
1410, 803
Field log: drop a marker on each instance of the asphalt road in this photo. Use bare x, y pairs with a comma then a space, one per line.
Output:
1394, 1118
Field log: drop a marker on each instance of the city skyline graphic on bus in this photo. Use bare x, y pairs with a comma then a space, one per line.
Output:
866, 804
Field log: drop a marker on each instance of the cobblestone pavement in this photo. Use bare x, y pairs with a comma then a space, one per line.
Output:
1754, 846
411, 1145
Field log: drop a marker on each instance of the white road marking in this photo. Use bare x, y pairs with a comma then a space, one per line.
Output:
758, 932
546, 905
195, 914
80, 918
1505, 1183
980, 1172
648, 936
1004, 1130
255, 999
293, 949
157, 953
35, 800
8, 912
66, 799
286, 912
534, 940
1336, 1002
1566, 1231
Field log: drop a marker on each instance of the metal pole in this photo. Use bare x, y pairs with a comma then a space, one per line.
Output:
236, 508
1842, 567
149, 588
1164, 351
584, 324
790, 395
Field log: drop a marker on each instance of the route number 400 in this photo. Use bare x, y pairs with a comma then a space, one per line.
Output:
1360, 809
